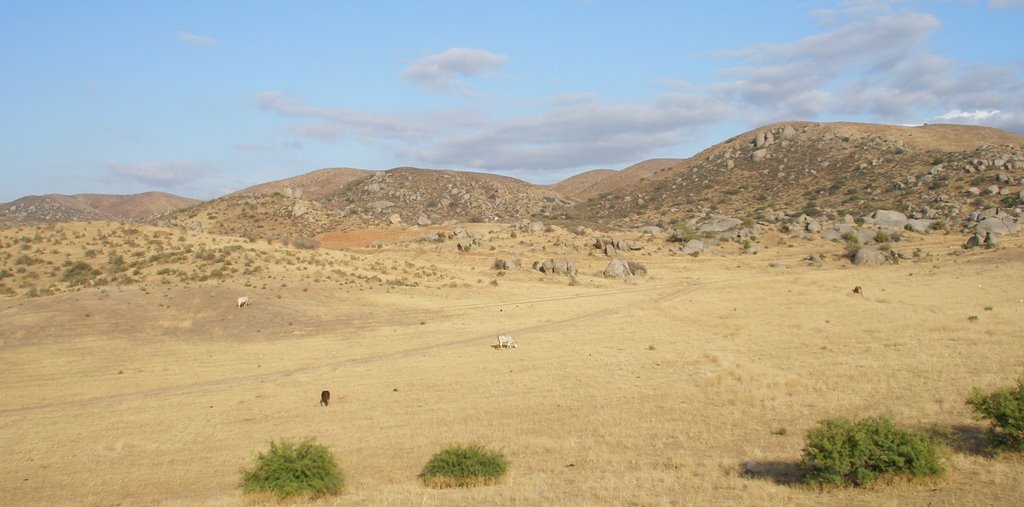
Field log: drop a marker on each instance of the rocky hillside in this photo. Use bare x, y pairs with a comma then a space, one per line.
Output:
67, 208
932, 171
395, 198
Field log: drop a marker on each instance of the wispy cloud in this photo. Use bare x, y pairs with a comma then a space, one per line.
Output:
157, 174
577, 134
571, 132
199, 40
444, 71
1005, 4
286, 145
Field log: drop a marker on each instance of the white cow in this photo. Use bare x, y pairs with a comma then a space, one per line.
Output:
243, 301
506, 341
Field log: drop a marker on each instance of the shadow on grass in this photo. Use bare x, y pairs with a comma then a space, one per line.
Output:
970, 439
779, 472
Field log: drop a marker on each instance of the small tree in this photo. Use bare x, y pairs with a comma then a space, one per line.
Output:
841, 451
290, 469
462, 466
1004, 409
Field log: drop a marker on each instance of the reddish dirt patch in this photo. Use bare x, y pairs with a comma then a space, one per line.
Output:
365, 238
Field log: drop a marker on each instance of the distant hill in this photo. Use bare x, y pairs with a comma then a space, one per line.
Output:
593, 183
50, 208
310, 186
779, 170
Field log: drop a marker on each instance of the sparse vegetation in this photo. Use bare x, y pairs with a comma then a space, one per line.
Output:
291, 469
1004, 410
841, 451
464, 466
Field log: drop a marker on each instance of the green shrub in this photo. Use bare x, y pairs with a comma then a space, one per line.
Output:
289, 469
1004, 409
841, 451
79, 273
461, 466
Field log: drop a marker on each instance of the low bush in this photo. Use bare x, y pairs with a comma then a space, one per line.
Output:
1004, 409
462, 466
841, 451
79, 273
306, 243
291, 469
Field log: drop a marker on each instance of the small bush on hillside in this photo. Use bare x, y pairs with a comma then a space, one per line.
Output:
463, 466
1004, 409
306, 243
290, 469
79, 273
841, 451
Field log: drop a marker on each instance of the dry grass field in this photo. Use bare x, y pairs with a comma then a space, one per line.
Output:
654, 391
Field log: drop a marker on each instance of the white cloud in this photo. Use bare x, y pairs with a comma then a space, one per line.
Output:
876, 67
199, 40
970, 116
1005, 4
444, 71
157, 174
320, 131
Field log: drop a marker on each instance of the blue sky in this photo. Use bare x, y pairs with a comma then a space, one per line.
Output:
204, 98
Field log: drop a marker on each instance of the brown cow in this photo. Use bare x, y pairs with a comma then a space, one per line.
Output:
858, 290
325, 398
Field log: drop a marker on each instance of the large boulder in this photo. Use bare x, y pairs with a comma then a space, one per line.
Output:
869, 256
693, 247
997, 226
720, 224
617, 268
866, 235
919, 224
832, 234
649, 229
888, 218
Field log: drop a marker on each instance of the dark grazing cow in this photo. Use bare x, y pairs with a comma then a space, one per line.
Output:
325, 398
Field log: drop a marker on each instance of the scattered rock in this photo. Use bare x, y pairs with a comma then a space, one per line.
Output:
558, 267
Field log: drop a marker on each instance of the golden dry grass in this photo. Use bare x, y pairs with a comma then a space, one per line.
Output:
652, 392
